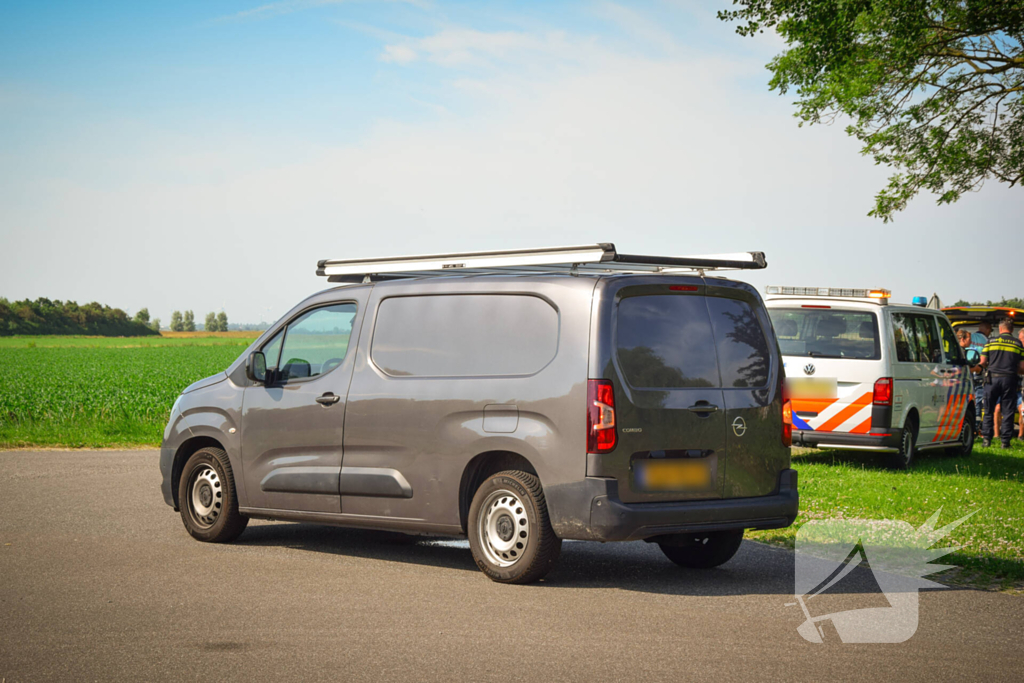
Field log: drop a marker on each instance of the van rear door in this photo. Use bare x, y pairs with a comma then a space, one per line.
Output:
659, 353
748, 364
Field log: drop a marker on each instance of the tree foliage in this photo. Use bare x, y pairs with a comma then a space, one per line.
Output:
142, 316
1014, 302
190, 321
44, 316
211, 324
176, 322
932, 88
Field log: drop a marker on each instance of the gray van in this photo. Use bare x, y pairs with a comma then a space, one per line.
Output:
617, 398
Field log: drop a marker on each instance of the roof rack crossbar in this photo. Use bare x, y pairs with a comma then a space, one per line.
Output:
590, 258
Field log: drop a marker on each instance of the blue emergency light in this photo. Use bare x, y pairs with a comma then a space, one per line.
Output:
920, 301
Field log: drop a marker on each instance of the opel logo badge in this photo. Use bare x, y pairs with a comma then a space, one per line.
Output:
809, 369
739, 427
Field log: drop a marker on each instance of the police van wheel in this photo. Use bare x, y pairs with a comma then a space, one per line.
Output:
509, 532
965, 447
904, 458
702, 551
207, 499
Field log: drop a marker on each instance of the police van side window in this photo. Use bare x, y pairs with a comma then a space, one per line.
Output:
927, 340
950, 348
904, 338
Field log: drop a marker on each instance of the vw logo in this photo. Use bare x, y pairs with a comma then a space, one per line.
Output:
809, 369
739, 427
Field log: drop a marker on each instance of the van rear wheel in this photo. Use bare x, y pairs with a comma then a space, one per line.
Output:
904, 457
965, 446
702, 551
207, 499
509, 532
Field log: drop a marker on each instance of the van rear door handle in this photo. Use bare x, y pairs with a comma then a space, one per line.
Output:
328, 399
703, 408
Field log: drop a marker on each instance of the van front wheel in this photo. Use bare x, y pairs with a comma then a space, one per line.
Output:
509, 532
702, 551
206, 496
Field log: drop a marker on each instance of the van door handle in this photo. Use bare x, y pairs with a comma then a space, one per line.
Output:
328, 399
703, 408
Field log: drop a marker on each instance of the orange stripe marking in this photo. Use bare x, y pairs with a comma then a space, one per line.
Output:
958, 417
846, 413
863, 428
944, 419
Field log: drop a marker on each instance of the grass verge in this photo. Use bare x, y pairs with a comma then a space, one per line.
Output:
842, 484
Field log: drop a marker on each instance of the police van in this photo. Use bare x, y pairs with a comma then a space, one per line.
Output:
865, 374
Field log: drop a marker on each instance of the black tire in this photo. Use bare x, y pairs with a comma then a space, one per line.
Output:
903, 459
207, 499
514, 542
966, 441
702, 551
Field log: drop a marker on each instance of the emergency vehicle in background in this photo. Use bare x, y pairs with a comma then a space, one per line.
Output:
864, 374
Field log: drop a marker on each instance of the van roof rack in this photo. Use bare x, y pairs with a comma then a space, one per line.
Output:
601, 258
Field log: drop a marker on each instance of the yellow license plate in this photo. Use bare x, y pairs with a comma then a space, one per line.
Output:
811, 387
672, 475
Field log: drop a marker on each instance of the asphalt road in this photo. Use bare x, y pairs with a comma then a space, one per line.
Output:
101, 582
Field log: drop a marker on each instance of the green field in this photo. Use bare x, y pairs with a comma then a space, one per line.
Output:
88, 391
97, 391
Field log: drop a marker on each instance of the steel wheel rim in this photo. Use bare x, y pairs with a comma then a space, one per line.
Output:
205, 496
503, 528
966, 436
908, 446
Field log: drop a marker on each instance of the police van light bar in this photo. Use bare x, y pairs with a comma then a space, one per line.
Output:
831, 291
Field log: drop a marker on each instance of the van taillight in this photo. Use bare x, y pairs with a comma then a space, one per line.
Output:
787, 416
883, 392
601, 436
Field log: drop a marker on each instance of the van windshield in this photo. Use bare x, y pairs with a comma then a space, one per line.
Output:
826, 333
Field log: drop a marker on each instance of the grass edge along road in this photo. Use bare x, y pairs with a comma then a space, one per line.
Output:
848, 484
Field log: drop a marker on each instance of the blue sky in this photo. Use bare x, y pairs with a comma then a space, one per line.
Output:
204, 155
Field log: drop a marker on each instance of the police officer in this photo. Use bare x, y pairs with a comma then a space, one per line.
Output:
1003, 359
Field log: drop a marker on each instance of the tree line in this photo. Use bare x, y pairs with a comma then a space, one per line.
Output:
215, 322
44, 316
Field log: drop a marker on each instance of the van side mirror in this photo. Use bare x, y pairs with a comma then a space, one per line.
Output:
973, 357
256, 367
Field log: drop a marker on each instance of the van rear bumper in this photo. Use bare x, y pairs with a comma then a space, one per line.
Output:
612, 520
886, 442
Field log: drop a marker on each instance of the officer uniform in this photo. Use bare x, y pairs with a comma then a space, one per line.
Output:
1005, 354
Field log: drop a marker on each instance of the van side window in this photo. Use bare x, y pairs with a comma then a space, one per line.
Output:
272, 350
665, 341
464, 335
316, 342
743, 356
950, 348
927, 341
904, 338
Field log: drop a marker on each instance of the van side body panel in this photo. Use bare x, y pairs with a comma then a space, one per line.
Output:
430, 428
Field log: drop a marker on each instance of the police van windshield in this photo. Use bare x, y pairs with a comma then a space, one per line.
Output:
826, 333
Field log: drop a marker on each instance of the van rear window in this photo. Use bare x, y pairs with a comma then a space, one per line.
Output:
743, 355
465, 335
826, 333
665, 341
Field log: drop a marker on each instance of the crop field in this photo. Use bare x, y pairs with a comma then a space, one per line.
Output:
94, 392
101, 391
